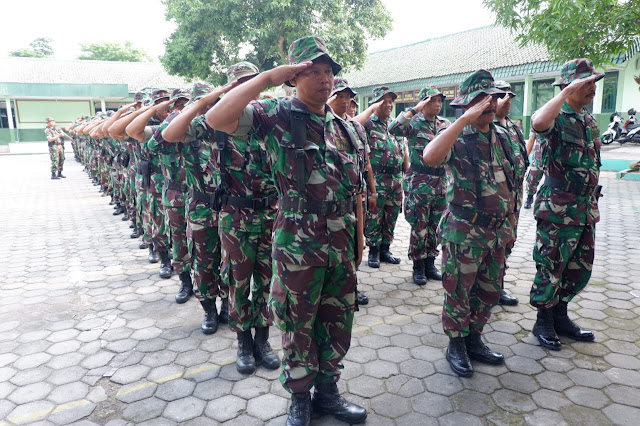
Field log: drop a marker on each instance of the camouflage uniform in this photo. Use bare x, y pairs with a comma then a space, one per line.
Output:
56, 148
536, 169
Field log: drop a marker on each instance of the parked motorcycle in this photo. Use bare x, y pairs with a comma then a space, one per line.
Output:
614, 130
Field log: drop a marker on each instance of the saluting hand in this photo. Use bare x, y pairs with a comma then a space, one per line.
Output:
283, 73
476, 111
422, 103
576, 85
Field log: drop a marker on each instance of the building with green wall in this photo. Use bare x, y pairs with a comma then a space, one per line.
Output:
32, 89
446, 61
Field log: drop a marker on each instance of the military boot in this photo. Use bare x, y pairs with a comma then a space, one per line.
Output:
387, 256
60, 175
507, 299
527, 204
458, 358
153, 254
418, 272
53, 176
186, 287
125, 217
143, 245
300, 410
362, 299
565, 327
210, 321
478, 351
119, 209
135, 233
544, 330
245, 362
430, 269
374, 257
262, 351
224, 310
327, 400
132, 224
165, 264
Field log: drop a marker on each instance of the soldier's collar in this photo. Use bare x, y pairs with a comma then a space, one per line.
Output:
566, 108
470, 129
299, 106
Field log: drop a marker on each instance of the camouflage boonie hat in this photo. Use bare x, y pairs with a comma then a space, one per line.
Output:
340, 84
355, 102
159, 94
430, 92
505, 86
179, 94
577, 69
240, 70
140, 97
480, 82
379, 92
49, 119
199, 90
309, 49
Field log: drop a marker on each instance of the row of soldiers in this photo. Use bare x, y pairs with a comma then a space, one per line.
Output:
277, 189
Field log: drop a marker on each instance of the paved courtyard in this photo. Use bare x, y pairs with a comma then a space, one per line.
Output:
89, 334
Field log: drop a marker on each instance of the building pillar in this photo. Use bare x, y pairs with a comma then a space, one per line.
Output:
103, 107
12, 131
597, 100
527, 104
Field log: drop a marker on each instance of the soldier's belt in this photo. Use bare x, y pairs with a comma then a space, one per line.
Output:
320, 207
574, 187
386, 170
203, 197
427, 170
477, 218
176, 186
249, 203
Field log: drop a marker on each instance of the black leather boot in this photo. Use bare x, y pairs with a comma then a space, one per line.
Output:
507, 299
245, 363
119, 209
300, 410
210, 321
60, 175
418, 272
362, 299
224, 310
374, 257
186, 288
478, 351
387, 256
430, 269
527, 204
327, 400
262, 351
153, 254
53, 176
112, 202
142, 244
458, 357
125, 217
544, 330
135, 233
165, 264
565, 327
132, 225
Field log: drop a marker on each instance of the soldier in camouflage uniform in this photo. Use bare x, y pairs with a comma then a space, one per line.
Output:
536, 170
317, 168
476, 226
56, 147
566, 208
389, 159
425, 201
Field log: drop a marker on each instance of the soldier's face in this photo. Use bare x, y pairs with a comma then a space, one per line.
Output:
353, 109
315, 83
488, 114
433, 107
179, 104
386, 106
341, 102
586, 93
504, 106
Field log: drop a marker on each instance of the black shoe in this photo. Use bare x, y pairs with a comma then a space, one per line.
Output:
544, 330
300, 410
125, 217
135, 234
458, 358
186, 288
112, 202
153, 254
245, 362
387, 256
165, 264
119, 210
210, 321
478, 351
132, 225
60, 175
430, 269
262, 351
143, 245
224, 310
53, 176
527, 204
507, 300
565, 327
327, 400
418, 272
374, 257
362, 299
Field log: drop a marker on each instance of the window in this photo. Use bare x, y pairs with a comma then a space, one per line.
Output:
517, 102
609, 92
542, 93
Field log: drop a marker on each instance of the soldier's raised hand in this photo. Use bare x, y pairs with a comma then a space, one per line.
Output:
476, 110
283, 73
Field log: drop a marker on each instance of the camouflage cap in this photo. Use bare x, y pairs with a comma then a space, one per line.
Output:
355, 102
480, 82
240, 70
50, 119
140, 97
505, 86
575, 70
340, 84
179, 94
379, 92
430, 92
159, 94
199, 90
309, 49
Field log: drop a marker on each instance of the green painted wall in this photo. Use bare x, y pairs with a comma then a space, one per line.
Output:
32, 114
45, 90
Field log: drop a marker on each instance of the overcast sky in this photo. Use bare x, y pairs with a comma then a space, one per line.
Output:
71, 22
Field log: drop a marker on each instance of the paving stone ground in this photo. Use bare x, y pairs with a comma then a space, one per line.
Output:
89, 334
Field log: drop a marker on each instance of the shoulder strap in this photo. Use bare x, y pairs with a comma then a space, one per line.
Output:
195, 151
299, 137
506, 148
221, 142
471, 145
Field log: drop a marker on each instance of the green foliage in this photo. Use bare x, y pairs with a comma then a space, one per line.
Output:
596, 29
113, 52
214, 34
40, 48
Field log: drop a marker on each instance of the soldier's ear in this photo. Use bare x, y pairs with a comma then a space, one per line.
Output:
294, 81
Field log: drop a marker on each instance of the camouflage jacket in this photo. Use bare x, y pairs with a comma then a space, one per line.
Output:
200, 173
573, 145
332, 172
538, 155
519, 148
386, 150
419, 132
169, 157
53, 132
496, 198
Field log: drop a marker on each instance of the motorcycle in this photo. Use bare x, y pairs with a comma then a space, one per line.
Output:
614, 130
629, 132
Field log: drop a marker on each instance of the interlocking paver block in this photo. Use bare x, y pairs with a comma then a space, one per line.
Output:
225, 408
266, 407
251, 387
184, 409
389, 405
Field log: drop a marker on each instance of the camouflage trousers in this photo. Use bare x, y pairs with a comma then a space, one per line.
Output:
564, 259
533, 178
472, 280
314, 307
177, 223
380, 222
204, 246
56, 154
129, 191
247, 255
159, 231
423, 212
142, 208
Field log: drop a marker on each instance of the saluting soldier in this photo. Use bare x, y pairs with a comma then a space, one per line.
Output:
55, 141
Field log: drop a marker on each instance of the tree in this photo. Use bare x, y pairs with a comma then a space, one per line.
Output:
113, 52
212, 35
40, 48
596, 29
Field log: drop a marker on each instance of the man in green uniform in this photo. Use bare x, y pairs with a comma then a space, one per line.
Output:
55, 141
476, 227
315, 162
566, 207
